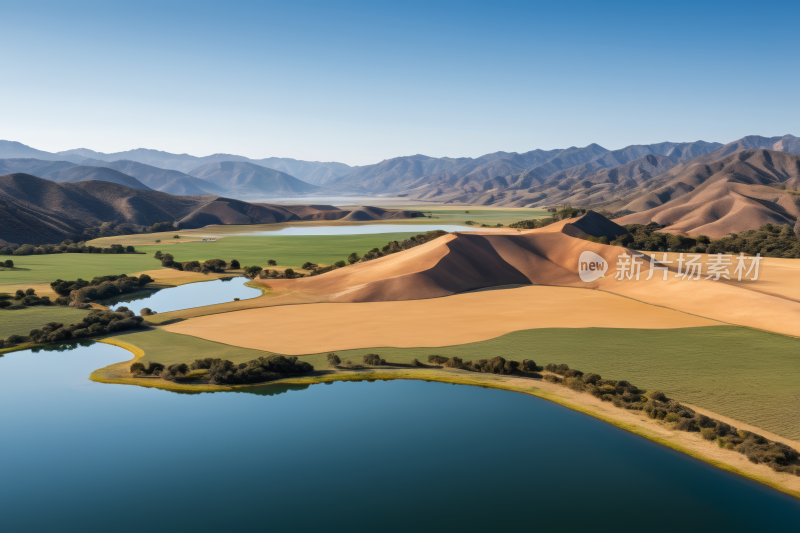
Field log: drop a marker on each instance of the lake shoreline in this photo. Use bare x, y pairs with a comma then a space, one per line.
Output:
690, 444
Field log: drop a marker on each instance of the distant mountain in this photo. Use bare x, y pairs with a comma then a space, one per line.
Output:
317, 171
247, 179
78, 173
35, 210
16, 150
744, 190
37, 167
158, 178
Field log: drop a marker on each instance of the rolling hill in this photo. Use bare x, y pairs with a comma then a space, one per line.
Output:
79, 173
743, 190
35, 210
240, 178
159, 179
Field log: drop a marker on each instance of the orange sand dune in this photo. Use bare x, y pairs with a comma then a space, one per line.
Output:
458, 263
463, 318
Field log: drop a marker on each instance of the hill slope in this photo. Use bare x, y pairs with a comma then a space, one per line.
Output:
741, 191
78, 173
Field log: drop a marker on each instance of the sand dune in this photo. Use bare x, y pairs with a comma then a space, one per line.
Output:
458, 263
470, 317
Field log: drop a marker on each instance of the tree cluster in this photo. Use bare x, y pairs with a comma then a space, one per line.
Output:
101, 287
495, 365
209, 265
95, 323
22, 299
656, 405
562, 214
222, 371
66, 247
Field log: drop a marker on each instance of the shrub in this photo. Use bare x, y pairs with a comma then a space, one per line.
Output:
175, 371
657, 395
8, 263
204, 364
154, 368
146, 311
16, 339
334, 360
437, 359
591, 378
257, 370
672, 417
4, 304
552, 378
414, 362
374, 360
340, 264
572, 373
687, 424
252, 271
704, 422
289, 273
528, 365
235, 264
137, 368
708, 433
454, 362
272, 263
353, 258
557, 369
576, 383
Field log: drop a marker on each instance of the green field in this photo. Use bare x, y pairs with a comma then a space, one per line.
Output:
747, 374
47, 268
22, 321
286, 250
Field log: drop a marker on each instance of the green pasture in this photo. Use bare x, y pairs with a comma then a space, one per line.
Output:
746, 374
32, 269
286, 250
22, 321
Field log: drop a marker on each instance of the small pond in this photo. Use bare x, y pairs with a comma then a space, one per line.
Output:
382, 456
185, 296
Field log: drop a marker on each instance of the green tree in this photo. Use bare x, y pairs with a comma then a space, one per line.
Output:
272, 262
353, 258
235, 264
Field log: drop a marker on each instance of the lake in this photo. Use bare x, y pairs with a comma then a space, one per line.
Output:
185, 296
382, 456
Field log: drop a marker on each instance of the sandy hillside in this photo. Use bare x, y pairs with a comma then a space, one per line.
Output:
463, 318
457, 263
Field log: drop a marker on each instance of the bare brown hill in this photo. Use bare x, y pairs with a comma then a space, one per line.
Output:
36, 210
741, 191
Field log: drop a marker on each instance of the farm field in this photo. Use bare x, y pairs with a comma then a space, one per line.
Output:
742, 373
457, 319
22, 321
42, 269
288, 251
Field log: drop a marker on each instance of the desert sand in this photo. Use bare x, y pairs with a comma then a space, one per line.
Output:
463, 318
461, 262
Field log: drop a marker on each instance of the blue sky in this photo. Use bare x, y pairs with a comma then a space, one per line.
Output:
359, 82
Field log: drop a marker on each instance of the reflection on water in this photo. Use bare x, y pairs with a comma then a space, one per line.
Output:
366, 229
80, 455
186, 296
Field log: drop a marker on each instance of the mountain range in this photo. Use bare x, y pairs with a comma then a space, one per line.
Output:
634, 179
35, 210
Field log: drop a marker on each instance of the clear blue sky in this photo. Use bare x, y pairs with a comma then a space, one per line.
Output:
359, 82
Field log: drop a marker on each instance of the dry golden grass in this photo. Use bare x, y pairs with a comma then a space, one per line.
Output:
458, 319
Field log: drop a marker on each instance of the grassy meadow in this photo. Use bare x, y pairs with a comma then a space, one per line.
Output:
288, 251
35, 269
746, 374
22, 321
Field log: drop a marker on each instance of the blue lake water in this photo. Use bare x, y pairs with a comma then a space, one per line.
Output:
366, 229
382, 456
185, 296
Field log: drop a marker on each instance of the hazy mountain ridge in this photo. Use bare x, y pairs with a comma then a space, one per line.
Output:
243, 178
